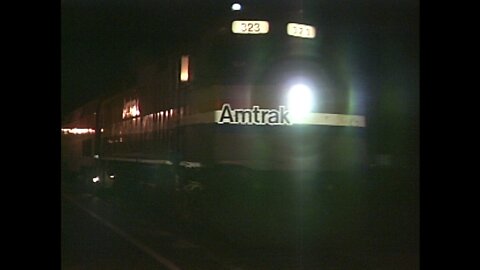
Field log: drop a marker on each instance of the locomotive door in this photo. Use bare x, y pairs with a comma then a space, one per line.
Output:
183, 83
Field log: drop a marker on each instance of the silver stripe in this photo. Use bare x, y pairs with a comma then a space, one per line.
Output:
321, 119
120, 159
139, 160
154, 161
190, 164
187, 164
329, 119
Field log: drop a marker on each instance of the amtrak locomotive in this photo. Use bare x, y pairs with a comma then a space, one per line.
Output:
224, 127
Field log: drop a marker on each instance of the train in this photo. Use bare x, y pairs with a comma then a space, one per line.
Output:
241, 127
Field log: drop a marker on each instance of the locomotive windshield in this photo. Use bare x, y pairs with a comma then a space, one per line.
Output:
233, 58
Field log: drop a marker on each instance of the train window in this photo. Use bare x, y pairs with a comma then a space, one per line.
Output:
233, 59
184, 71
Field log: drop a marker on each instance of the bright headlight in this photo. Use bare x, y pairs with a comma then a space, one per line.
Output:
300, 100
236, 7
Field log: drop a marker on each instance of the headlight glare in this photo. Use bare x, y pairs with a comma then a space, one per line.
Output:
300, 100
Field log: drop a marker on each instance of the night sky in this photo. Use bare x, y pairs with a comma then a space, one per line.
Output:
100, 39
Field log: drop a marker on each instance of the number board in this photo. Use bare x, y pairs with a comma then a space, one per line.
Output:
300, 30
250, 27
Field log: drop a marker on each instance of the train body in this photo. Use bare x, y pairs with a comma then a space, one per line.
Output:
246, 116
